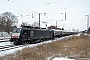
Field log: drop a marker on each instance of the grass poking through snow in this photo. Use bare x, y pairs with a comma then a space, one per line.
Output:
73, 47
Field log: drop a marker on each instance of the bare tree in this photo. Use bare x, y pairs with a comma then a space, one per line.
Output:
35, 24
7, 20
25, 24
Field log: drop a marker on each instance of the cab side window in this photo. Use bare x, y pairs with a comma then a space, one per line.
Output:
32, 33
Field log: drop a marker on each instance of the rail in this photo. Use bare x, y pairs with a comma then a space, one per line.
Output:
4, 39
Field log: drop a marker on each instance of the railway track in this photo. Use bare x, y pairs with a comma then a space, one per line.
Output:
4, 40
10, 46
7, 45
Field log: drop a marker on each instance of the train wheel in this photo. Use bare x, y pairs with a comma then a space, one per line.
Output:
28, 42
15, 42
34, 41
20, 43
53, 38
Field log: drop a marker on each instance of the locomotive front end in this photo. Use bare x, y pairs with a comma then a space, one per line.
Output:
15, 36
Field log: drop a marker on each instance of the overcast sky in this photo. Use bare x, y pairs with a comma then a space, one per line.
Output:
75, 12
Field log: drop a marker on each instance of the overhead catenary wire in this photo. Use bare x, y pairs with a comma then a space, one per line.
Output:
70, 6
18, 7
26, 10
48, 11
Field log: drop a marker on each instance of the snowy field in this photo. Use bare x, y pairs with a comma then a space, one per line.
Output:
65, 58
5, 43
2, 53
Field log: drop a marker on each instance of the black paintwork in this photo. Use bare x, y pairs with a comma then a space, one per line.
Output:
31, 35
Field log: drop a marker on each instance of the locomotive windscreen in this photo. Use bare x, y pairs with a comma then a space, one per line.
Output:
16, 30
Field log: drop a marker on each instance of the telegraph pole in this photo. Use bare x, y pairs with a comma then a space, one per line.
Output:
65, 13
56, 23
87, 21
39, 20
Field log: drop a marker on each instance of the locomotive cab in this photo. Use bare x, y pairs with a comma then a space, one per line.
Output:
15, 35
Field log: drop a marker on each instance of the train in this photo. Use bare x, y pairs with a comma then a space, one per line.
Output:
21, 36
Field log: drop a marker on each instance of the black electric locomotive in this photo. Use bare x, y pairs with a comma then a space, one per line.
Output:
29, 35
32, 35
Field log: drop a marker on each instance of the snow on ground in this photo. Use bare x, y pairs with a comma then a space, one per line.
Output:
5, 43
2, 53
78, 34
83, 33
87, 34
4, 35
57, 58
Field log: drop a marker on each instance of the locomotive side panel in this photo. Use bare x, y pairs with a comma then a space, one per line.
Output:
42, 34
27, 35
33, 35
